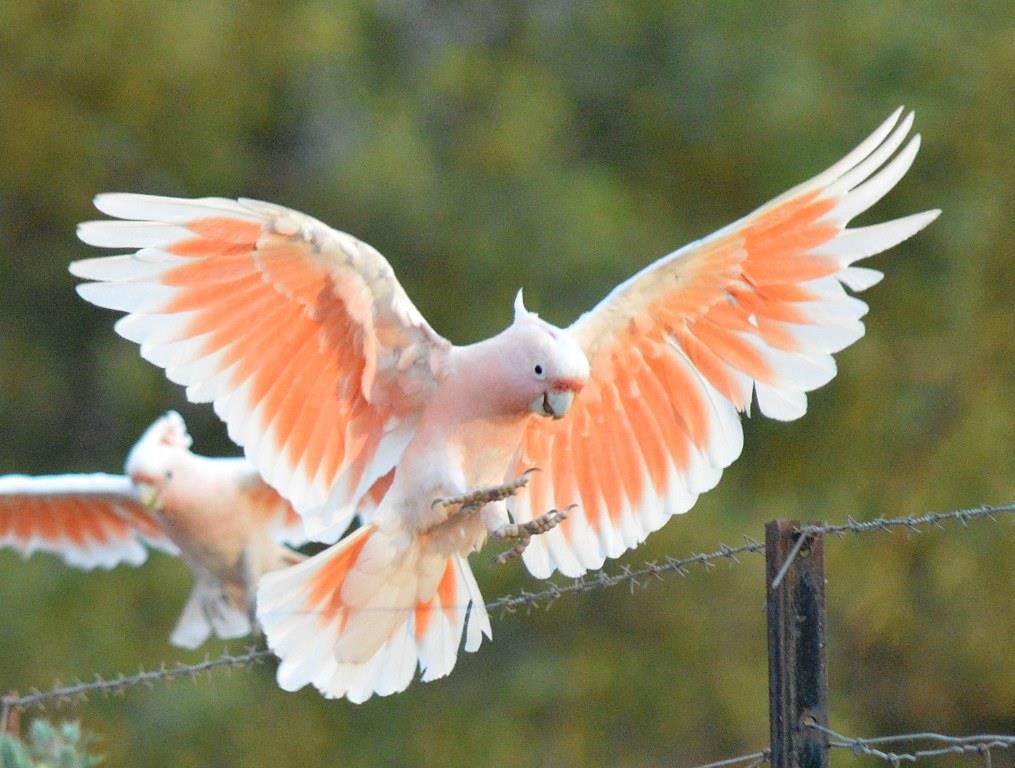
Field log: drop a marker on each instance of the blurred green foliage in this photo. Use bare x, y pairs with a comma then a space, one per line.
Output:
557, 146
49, 747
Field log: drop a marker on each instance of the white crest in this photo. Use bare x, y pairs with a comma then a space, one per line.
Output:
520, 310
168, 431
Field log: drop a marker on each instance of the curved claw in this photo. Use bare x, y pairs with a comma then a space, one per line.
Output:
473, 500
524, 532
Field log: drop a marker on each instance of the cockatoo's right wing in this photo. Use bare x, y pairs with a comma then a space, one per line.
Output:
92, 520
299, 334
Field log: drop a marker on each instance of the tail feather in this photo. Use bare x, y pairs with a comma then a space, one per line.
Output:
357, 619
209, 609
388, 671
439, 622
479, 620
369, 627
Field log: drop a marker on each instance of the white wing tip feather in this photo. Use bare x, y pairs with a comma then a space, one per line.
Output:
157, 208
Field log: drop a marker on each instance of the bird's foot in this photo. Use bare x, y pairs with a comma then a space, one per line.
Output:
522, 533
469, 503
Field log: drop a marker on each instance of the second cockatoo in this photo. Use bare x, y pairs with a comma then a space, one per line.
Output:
216, 513
330, 378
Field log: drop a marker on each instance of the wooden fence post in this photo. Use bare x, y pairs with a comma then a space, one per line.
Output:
10, 716
797, 673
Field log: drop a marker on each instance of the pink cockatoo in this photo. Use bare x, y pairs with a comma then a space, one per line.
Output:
330, 378
217, 514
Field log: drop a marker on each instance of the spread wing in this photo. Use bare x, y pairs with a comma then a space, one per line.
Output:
299, 334
754, 310
89, 520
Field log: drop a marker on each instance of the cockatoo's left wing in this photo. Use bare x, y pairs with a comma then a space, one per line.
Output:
92, 520
270, 509
300, 336
754, 310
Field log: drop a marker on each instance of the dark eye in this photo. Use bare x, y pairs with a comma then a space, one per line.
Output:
538, 370
169, 474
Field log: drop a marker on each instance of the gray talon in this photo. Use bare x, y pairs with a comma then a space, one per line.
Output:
523, 532
470, 503
481, 496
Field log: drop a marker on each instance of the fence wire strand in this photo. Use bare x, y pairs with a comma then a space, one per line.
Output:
980, 744
79, 691
753, 760
625, 576
910, 524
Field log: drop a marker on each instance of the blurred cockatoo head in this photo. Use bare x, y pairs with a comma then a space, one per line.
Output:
151, 462
548, 368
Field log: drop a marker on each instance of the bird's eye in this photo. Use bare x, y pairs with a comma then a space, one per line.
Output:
169, 474
538, 370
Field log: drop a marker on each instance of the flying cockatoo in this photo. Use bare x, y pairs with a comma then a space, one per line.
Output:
330, 378
218, 514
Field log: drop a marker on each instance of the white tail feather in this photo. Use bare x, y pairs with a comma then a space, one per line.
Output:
356, 619
209, 610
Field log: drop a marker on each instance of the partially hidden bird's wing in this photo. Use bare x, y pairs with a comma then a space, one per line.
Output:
300, 335
91, 520
754, 310
282, 520
271, 510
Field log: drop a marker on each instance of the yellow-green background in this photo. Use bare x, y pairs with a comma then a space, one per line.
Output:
559, 146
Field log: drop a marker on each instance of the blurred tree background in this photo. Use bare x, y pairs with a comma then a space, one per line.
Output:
559, 146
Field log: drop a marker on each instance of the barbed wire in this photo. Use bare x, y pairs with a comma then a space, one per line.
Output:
79, 691
753, 760
889, 524
626, 576
507, 604
980, 744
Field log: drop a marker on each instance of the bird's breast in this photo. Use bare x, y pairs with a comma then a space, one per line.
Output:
488, 447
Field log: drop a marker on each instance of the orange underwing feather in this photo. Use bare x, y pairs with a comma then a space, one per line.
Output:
226, 229
625, 450
733, 350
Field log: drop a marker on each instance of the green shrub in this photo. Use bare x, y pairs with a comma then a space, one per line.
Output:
49, 747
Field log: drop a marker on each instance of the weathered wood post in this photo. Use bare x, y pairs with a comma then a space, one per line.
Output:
10, 715
797, 669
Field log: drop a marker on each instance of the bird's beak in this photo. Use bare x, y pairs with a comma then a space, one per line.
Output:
553, 403
148, 495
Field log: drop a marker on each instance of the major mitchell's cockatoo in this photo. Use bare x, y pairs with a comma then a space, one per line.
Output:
217, 514
329, 377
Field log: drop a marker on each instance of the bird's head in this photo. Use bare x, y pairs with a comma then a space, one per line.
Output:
154, 458
548, 368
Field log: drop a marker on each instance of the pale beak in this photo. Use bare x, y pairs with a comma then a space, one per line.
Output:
149, 496
554, 403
